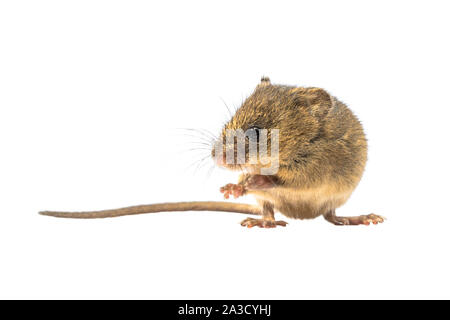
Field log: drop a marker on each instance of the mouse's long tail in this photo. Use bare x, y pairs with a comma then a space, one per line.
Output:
160, 207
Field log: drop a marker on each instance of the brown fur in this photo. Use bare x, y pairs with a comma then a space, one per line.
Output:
322, 147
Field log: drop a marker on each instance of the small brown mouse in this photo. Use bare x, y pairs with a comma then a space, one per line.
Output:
320, 158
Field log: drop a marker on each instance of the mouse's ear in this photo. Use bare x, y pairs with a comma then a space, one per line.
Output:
319, 101
265, 81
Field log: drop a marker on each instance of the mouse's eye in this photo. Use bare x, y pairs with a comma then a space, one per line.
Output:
253, 132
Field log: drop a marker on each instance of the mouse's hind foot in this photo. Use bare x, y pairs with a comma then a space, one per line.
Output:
366, 219
262, 223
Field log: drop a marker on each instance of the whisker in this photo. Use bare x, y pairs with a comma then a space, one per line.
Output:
211, 133
206, 134
200, 144
210, 171
201, 138
196, 162
200, 164
202, 150
228, 108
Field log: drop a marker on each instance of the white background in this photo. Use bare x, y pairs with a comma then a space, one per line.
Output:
92, 97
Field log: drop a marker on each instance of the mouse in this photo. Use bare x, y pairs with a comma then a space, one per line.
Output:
300, 152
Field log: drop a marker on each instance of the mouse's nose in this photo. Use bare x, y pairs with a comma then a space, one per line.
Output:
218, 157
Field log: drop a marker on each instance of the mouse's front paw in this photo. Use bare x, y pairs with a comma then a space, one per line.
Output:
236, 190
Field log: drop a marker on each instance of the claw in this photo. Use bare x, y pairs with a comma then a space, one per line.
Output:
236, 190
